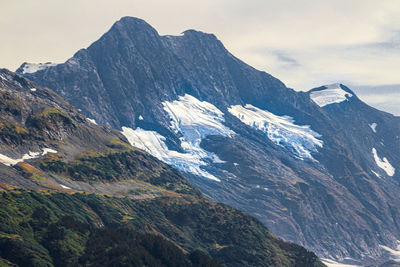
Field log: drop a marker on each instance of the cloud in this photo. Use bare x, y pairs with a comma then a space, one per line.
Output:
385, 97
305, 43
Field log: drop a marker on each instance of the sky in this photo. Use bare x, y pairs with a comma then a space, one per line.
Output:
304, 43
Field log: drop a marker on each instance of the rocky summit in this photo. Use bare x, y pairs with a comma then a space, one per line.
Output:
318, 168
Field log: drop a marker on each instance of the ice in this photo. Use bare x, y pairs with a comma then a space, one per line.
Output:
280, 129
140, 117
192, 120
32, 67
384, 164
154, 143
331, 94
195, 119
33, 89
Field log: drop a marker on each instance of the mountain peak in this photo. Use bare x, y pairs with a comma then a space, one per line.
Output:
129, 21
131, 27
192, 32
330, 94
28, 68
333, 86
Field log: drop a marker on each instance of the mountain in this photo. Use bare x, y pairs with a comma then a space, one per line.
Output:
74, 193
383, 97
318, 168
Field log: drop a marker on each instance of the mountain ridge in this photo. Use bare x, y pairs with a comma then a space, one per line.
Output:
331, 201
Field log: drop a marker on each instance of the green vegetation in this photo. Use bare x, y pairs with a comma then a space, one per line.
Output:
10, 104
56, 229
30, 171
44, 235
125, 247
52, 119
49, 112
12, 133
116, 166
116, 143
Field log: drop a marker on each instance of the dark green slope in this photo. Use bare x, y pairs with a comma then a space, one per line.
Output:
45, 229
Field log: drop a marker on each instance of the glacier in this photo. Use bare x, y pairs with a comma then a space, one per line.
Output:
33, 67
193, 120
331, 94
280, 129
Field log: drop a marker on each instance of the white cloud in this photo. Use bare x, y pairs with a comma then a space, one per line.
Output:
305, 43
385, 98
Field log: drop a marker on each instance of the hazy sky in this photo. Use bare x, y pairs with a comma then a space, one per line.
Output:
305, 43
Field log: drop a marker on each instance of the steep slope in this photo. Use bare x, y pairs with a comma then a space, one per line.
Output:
77, 194
295, 160
39, 126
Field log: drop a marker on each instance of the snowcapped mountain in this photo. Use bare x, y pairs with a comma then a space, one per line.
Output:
318, 168
329, 94
27, 68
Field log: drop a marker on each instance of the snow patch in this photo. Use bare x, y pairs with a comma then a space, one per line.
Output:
32, 67
280, 129
140, 117
154, 143
331, 94
376, 174
395, 253
384, 164
193, 120
33, 89
331, 263
48, 150
92, 121
9, 161
30, 155
65, 187
373, 126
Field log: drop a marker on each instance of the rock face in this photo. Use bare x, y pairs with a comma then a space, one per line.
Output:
319, 168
